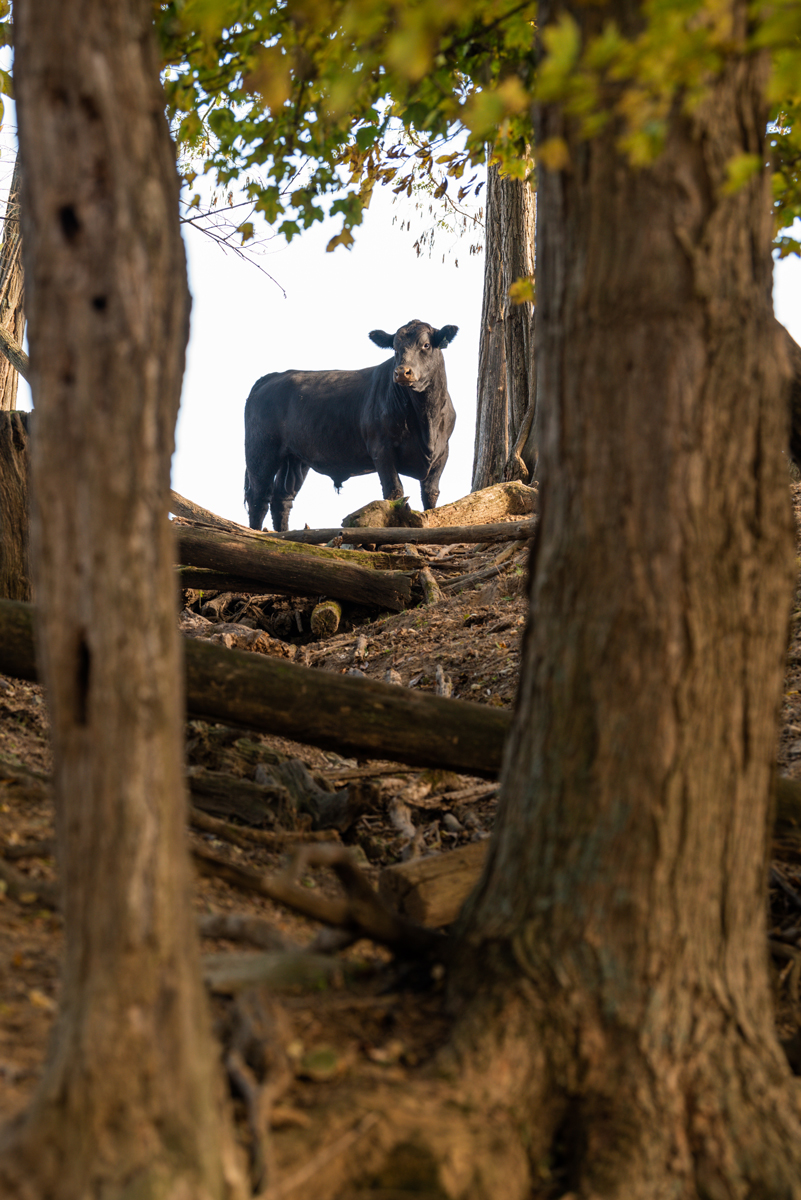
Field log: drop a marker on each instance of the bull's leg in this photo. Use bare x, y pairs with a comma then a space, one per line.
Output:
391, 486
429, 487
263, 461
288, 482
258, 494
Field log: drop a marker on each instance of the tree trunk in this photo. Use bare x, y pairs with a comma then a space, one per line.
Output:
15, 582
505, 446
614, 951
12, 291
492, 425
130, 1100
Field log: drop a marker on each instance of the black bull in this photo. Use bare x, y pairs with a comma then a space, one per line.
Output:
394, 418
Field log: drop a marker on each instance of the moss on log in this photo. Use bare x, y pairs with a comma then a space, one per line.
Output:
288, 567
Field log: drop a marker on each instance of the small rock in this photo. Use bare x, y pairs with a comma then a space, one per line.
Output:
451, 824
393, 676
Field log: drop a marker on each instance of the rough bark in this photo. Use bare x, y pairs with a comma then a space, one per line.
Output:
15, 581
335, 712
12, 295
623, 993
130, 1101
504, 444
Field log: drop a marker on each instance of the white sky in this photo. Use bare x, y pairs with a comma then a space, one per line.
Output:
242, 327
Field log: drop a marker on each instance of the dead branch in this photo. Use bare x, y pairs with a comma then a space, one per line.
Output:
446, 536
246, 837
238, 927
362, 911
15, 354
279, 970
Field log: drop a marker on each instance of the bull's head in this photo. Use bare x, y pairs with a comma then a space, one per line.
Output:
416, 347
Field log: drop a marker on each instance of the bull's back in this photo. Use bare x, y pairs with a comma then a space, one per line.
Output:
314, 415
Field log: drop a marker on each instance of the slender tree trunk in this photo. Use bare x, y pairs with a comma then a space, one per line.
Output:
12, 290
15, 583
130, 1102
492, 421
504, 444
615, 948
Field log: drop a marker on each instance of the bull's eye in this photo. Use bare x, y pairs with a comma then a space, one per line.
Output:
426, 346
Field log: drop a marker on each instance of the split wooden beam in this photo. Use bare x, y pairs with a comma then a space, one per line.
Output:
432, 890
336, 712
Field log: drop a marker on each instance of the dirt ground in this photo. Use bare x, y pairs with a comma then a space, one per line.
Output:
376, 1021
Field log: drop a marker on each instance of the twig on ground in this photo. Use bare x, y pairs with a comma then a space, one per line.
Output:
319, 1162
245, 835
362, 911
258, 1112
782, 950
778, 879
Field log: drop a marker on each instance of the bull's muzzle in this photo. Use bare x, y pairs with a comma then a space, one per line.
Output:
404, 375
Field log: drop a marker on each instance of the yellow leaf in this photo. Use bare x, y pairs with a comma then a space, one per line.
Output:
554, 154
522, 291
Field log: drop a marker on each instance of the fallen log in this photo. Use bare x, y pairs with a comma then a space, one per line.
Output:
482, 507
503, 531
290, 568
335, 712
187, 509
268, 541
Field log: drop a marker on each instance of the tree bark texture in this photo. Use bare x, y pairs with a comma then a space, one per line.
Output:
15, 581
620, 922
12, 291
130, 1100
505, 446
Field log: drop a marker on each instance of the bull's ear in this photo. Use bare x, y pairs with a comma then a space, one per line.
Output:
384, 340
442, 338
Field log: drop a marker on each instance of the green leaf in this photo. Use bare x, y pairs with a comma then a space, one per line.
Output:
740, 170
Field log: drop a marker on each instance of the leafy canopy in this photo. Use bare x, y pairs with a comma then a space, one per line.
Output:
309, 93
303, 99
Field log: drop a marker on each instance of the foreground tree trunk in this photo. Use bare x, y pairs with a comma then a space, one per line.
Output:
12, 290
615, 951
505, 445
130, 1101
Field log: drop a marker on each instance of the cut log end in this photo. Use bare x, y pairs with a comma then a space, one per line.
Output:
325, 618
